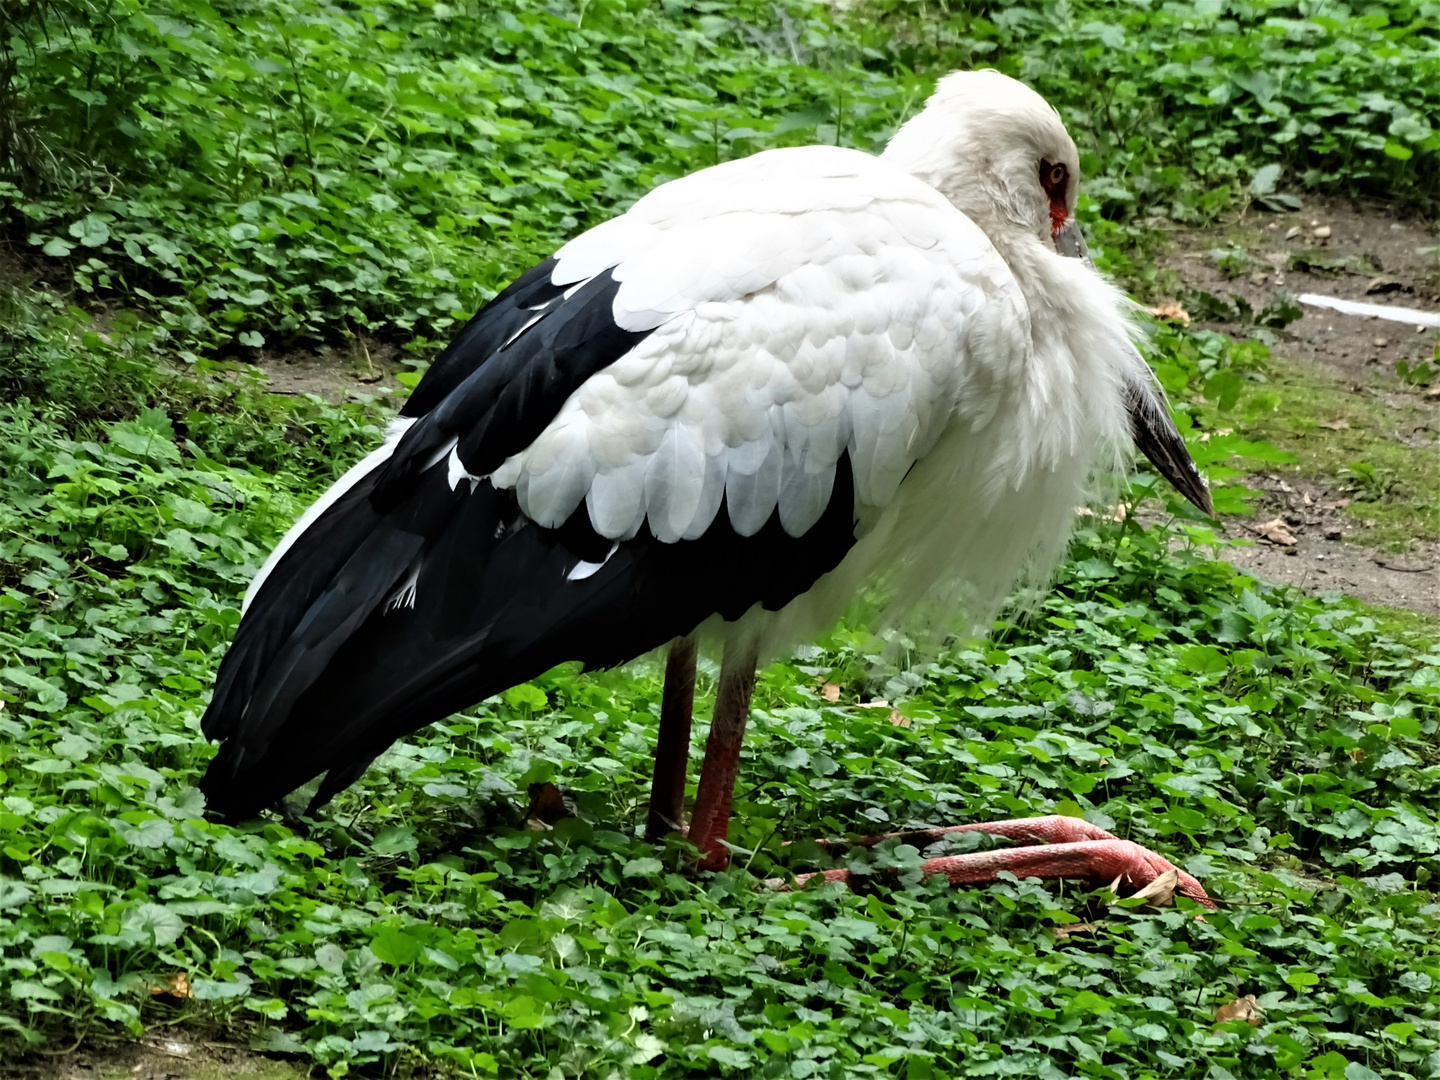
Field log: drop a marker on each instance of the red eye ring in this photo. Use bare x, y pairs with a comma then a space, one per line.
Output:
1055, 179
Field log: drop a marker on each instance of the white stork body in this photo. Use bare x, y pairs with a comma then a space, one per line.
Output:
763, 387
815, 301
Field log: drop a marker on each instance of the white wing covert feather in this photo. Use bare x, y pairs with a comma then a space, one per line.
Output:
803, 304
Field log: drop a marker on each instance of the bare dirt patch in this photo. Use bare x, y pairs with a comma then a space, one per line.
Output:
1321, 558
365, 367
168, 1057
1364, 253
1353, 252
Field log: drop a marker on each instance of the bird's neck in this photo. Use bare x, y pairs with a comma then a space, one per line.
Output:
975, 187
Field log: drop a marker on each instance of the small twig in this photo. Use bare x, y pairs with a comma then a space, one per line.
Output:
1404, 569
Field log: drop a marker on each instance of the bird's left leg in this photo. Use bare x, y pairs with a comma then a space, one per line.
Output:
1044, 847
711, 817
672, 744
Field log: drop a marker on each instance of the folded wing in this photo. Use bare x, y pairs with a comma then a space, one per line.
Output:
684, 413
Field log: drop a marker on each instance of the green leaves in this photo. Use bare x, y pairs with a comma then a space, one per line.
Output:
393, 946
289, 171
303, 167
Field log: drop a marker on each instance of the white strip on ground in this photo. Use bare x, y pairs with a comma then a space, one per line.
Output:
1373, 311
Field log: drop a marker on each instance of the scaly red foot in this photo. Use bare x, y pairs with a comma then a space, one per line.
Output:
1045, 847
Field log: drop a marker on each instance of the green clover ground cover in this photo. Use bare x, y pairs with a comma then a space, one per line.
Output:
261, 172
243, 174
1280, 747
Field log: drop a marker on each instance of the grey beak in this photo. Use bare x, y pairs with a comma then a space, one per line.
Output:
1159, 440
1070, 241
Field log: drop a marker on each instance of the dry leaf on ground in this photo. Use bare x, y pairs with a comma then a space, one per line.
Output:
1242, 1008
894, 717
1065, 930
548, 804
830, 692
1335, 425
177, 985
1276, 531
1338, 504
1171, 311
1160, 892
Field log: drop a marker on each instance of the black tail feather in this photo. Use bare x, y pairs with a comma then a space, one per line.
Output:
492, 606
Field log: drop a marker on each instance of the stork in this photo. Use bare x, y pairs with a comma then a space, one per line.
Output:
716, 418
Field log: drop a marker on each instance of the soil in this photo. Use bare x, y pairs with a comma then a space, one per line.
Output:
368, 368
1369, 255
1320, 559
1363, 253
174, 1056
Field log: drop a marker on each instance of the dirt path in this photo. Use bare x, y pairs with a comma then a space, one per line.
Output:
1320, 559
1365, 254
366, 367
1338, 249
179, 1056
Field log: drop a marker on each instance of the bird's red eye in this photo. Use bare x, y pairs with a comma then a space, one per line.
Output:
1055, 178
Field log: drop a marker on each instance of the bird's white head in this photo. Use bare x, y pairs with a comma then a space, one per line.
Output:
1000, 153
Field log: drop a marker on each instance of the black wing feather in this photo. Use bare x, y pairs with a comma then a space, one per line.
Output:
482, 337
330, 665
507, 400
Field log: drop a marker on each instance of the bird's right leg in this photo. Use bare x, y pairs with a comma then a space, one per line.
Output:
672, 744
711, 818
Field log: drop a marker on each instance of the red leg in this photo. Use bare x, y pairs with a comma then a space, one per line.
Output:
672, 745
1047, 847
711, 817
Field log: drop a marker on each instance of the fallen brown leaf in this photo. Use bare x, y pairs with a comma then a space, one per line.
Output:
1305, 497
1383, 285
1276, 531
1065, 930
1242, 1008
1338, 504
894, 717
1160, 892
548, 804
1357, 755
176, 985
1335, 425
830, 692
1171, 311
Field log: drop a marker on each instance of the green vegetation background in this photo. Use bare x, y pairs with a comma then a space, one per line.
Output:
187, 183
